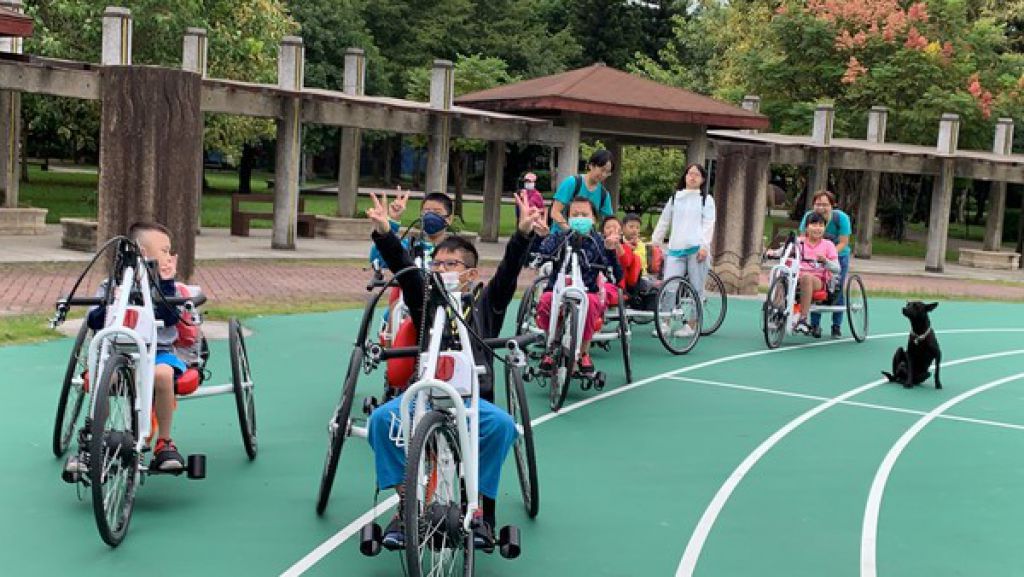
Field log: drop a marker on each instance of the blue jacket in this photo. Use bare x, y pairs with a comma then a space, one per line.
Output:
594, 254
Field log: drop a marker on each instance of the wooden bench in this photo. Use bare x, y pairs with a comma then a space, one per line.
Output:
241, 220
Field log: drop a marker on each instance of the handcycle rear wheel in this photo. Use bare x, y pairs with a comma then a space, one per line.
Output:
113, 458
526, 458
527, 311
624, 337
338, 429
435, 501
857, 308
774, 312
72, 394
677, 314
241, 378
564, 358
714, 305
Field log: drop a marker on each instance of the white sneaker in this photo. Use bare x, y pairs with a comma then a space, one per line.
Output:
684, 332
75, 465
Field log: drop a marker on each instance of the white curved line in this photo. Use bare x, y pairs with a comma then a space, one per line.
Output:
700, 534
869, 531
304, 564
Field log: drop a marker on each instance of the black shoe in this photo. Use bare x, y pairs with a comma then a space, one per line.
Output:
816, 332
483, 537
837, 333
394, 535
166, 457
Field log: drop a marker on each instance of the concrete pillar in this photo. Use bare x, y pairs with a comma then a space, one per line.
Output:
194, 50
117, 37
753, 104
821, 137
741, 189
697, 149
877, 120
10, 125
1003, 144
351, 138
290, 64
942, 194
569, 153
442, 94
614, 182
494, 174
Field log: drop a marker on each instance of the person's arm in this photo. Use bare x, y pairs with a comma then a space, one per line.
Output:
397, 259
831, 258
167, 313
664, 222
708, 222
375, 254
563, 196
803, 222
606, 202
502, 287
845, 230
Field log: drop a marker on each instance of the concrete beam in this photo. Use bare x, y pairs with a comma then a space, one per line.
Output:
494, 172
117, 37
1002, 144
290, 64
600, 126
194, 51
442, 95
569, 151
949, 134
50, 80
868, 205
821, 135
697, 149
938, 223
10, 126
354, 83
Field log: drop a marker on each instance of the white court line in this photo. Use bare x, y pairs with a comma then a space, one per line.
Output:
700, 534
889, 408
303, 565
869, 532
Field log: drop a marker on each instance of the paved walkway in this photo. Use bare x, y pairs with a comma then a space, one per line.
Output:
35, 271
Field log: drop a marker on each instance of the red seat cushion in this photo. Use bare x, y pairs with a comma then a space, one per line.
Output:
820, 296
399, 371
188, 382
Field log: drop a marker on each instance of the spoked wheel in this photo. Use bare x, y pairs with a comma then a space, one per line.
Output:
72, 393
338, 429
857, 308
526, 458
775, 312
434, 504
113, 458
714, 304
528, 311
624, 337
563, 354
241, 378
677, 319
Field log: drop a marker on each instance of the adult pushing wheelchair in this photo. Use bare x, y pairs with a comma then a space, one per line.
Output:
112, 373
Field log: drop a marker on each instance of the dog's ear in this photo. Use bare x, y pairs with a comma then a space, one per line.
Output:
930, 307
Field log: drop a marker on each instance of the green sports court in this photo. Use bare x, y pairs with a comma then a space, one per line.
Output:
732, 460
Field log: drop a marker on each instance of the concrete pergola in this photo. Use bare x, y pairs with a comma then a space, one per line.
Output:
600, 102
14, 27
874, 155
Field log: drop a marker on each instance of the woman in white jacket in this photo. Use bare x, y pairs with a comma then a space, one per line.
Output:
690, 214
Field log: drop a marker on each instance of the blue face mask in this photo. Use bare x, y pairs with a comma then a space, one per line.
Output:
581, 224
433, 223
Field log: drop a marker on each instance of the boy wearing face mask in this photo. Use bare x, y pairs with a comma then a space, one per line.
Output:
596, 251
435, 217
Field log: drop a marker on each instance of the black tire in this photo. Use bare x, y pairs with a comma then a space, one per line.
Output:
775, 315
338, 429
526, 457
245, 394
857, 301
678, 306
714, 305
72, 394
113, 459
564, 357
624, 338
527, 312
430, 543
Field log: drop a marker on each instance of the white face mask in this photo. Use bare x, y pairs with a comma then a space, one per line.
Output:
528, 185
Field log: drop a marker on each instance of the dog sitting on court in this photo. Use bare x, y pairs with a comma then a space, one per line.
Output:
910, 366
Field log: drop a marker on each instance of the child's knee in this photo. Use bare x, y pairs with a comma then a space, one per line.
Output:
163, 377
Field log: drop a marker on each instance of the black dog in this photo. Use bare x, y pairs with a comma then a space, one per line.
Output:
910, 366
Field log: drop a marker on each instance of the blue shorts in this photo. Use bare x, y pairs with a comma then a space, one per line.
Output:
168, 358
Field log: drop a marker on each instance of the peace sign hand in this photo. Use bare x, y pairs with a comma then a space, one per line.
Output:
378, 215
397, 206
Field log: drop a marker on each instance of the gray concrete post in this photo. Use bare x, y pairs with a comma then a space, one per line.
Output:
494, 172
824, 116
753, 104
1002, 144
741, 191
877, 120
290, 64
614, 182
442, 95
569, 153
194, 50
942, 195
351, 138
10, 125
117, 37
697, 149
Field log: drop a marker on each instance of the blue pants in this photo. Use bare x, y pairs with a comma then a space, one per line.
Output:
837, 317
497, 435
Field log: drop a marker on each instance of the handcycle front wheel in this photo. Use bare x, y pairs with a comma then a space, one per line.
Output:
72, 393
241, 379
624, 338
527, 312
113, 458
714, 305
774, 311
563, 357
338, 429
857, 307
526, 458
435, 501
677, 317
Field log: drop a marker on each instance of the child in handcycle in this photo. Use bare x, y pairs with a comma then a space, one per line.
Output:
818, 262
154, 240
597, 252
486, 309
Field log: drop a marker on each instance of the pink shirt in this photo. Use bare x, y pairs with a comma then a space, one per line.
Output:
825, 248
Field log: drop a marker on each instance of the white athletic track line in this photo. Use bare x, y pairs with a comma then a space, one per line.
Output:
986, 422
303, 565
869, 532
700, 534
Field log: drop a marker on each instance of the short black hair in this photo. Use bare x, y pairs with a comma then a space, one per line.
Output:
631, 217
459, 244
610, 218
137, 228
441, 198
601, 157
582, 200
815, 218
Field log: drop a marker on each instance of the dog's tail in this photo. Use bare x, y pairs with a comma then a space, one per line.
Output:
888, 376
